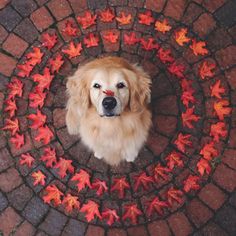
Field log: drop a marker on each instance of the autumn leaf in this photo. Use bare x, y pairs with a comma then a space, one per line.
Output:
161, 171
100, 186
186, 85
18, 140
198, 47
91, 40
91, 210
43, 80
44, 134
191, 183
15, 88
149, 44
11, 125
181, 36
142, 180
177, 70
71, 203
216, 90
124, 19
156, 205
52, 194
131, 212
174, 195
56, 63
130, 39
49, 157
208, 151
10, 107
163, 26
38, 119
69, 29
110, 215
64, 165
25, 69
218, 130
39, 178
165, 56
188, 117
37, 98
174, 159
107, 15
182, 141
221, 108
111, 37
84, 179
146, 18
87, 20
26, 159
119, 185
49, 41
187, 97
35, 57
73, 50
203, 166
205, 70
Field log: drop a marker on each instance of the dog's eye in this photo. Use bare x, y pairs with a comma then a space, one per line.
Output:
97, 86
120, 85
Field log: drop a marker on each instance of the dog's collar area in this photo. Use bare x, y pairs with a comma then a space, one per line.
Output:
109, 115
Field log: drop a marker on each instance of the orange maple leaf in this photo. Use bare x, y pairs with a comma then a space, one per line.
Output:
217, 130
49, 157
149, 44
174, 159
64, 165
39, 178
180, 36
87, 20
26, 159
146, 18
56, 63
182, 141
198, 47
12, 125
15, 88
53, 194
191, 183
131, 212
38, 119
111, 37
221, 108
124, 19
142, 180
37, 98
131, 39
73, 50
177, 70
174, 195
216, 90
84, 179
107, 15
91, 210
71, 202
69, 29
49, 41
10, 107
160, 171
165, 55
209, 151
91, 40
100, 186
18, 140
203, 166
188, 117
45, 134
163, 26
187, 97
110, 215
156, 205
35, 57
120, 184
24, 69
205, 69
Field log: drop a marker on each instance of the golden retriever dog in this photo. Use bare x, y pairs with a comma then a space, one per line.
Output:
108, 108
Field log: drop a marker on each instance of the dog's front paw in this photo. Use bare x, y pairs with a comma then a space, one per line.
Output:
97, 155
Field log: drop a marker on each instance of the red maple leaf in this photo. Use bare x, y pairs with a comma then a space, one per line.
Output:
73, 50
15, 88
56, 63
44, 134
84, 179
191, 183
177, 70
26, 159
110, 215
35, 57
186, 85
216, 90
37, 119
44, 80
18, 140
165, 56
203, 166
49, 157
217, 130
142, 180
91, 40
64, 165
198, 47
120, 184
160, 171
69, 29
87, 20
221, 108
39, 178
188, 117
205, 69
49, 41
11, 125
111, 37
71, 202
182, 141
174, 195
53, 194
180, 36
163, 26
130, 39
208, 151
100, 186
149, 44
156, 205
131, 212
187, 97
174, 159
37, 98
107, 15
146, 18
124, 19
10, 107
25, 69
91, 210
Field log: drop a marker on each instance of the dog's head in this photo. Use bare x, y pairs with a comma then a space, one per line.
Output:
111, 85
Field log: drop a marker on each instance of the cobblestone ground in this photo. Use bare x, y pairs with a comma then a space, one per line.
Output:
176, 186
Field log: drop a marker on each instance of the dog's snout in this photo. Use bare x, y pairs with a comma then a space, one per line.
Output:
109, 103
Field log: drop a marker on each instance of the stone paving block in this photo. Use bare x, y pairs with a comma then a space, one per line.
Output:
25, 229
6, 159
8, 66
175, 8
159, 228
3, 34
3, 202
116, 232
24, 7
94, 230
155, 5
74, 227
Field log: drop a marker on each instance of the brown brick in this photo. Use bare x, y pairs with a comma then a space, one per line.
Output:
212, 196
3, 34
24, 7
116, 232
78, 7
212, 6
25, 229
232, 32
232, 138
10, 180
192, 13
229, 158
231, 77
136, 3
66, 139
137, 231
59, 8
95, 230
179, 224
213, 229
165, 124
41, 18
9, 219
175, 8
3, 3
8, 66
159, 228
155, 5
59, 117
166, 105
6, 159
225, 178
74, 227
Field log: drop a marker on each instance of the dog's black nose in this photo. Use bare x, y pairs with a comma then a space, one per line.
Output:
109, 103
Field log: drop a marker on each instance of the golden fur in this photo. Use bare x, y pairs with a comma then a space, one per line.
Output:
112, 138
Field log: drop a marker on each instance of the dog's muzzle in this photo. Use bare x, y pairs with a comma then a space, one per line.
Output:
109, 104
